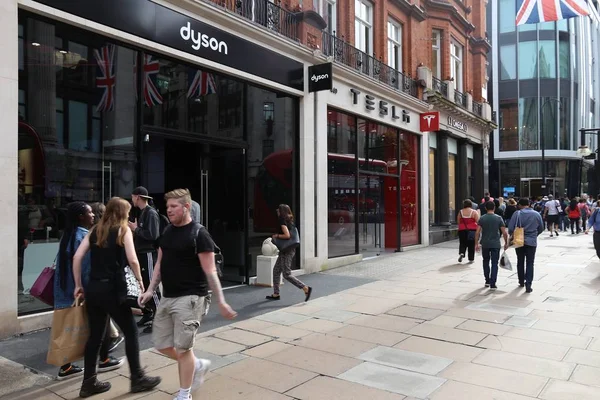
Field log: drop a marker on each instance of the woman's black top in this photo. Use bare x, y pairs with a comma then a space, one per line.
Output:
282, 222
107, 273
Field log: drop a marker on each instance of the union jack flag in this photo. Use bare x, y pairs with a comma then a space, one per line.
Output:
150, 92
535, 11
201, 83
106, 80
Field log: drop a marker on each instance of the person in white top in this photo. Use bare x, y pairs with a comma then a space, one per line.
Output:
552, 210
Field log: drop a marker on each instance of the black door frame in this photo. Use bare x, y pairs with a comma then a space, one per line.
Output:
146, 134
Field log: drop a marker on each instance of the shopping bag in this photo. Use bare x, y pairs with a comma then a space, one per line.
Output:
518, 239
69, 334
505, 262
43, 288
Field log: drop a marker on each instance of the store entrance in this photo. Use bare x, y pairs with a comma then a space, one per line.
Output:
532, 187
214, 174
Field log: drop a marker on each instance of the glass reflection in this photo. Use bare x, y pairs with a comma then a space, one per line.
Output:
76, 136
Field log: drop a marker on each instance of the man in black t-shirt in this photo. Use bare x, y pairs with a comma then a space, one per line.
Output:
145, 234
186, 267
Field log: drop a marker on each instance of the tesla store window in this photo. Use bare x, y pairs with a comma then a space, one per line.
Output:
409, 181
384, 162
76, 136
342, 194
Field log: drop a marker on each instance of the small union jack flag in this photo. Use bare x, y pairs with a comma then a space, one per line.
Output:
201, 83
151, 93
535, 11
106, 80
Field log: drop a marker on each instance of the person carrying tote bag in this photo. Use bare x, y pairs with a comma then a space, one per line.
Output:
287, 240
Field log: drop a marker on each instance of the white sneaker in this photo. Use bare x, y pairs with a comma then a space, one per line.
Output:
199, 374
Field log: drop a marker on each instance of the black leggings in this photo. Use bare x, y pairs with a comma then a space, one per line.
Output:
466, 244
99, 309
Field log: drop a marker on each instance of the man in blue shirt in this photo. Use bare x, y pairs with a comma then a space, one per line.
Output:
532, 223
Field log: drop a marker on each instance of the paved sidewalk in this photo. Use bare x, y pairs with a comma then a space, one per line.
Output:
426, 329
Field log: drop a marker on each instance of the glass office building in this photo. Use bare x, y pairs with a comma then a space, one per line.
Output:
545, 87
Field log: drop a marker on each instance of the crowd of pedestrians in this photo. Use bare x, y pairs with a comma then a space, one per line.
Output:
481, 226
102, 250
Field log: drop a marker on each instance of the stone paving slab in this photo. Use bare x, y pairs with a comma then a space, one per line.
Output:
429, 331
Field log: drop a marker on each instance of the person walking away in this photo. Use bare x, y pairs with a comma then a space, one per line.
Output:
584, 211
552, 210
146, 231
467, 226
564, 216
511, 208
109, 243
283, 265
78, 220
186, 267
533, 225
502, 205
594, 222
487, 240
574, 214
116, 338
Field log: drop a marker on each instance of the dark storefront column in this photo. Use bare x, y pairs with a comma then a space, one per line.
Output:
462, 183
477, 172
442, 192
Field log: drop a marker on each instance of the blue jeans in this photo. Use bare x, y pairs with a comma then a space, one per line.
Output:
525, 257
494, 255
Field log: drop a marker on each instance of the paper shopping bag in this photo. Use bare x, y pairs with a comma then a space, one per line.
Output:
69, 335
505, 262
518, 237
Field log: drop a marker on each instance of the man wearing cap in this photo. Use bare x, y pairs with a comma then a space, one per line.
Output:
146, 231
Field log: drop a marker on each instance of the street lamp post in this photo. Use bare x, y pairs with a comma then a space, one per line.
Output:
543, 141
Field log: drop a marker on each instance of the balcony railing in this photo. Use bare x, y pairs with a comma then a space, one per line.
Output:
264, 13
460, 99
477, 108
440, 86
344, 53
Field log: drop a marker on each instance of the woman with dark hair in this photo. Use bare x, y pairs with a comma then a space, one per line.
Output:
110, 241
284, 261
467, 225
79, 219
574, 214
98, 209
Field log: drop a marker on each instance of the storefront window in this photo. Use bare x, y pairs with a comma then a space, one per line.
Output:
528, 123
564, 123
342, 192
547, 58
527, 59
409, 181
508, 130
452, 186
76, 136
186, 98
384, 162
431, 186
563, 57
508, 62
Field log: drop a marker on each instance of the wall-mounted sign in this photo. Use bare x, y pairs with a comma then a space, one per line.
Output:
320, 77
163, 25
430, 121
456, 124
381, 106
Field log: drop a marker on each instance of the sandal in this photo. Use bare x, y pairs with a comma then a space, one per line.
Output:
273, 297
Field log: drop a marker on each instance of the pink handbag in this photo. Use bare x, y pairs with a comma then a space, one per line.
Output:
43, 288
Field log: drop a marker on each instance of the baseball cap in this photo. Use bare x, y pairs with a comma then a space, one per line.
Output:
142, 192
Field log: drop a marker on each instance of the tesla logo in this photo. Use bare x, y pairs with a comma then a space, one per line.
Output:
430, 122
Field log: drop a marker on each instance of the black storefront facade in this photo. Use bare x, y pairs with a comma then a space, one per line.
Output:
100, 114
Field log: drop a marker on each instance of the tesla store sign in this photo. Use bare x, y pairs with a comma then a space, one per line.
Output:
456, 124
382, 106
430, 122
163, 25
